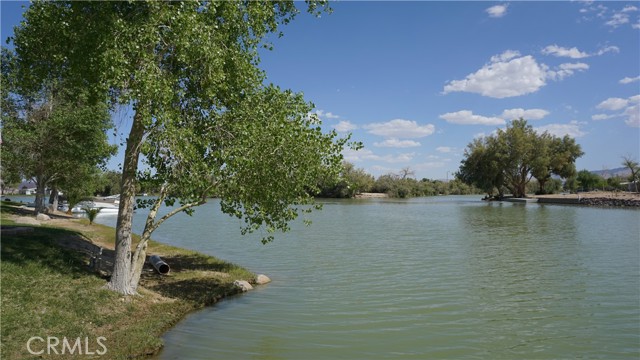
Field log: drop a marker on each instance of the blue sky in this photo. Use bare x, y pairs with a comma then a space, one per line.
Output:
417, 81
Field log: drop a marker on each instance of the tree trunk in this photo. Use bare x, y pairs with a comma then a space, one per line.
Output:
542, 184
137, 263
53, 198
39, 202
121, 275
140, 254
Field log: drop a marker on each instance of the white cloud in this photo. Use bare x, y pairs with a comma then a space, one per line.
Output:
400, 128
396, 143
574, 66
566, 69
572, 129
613, 104
559, 51
326, 115
529, 114
630, 107
599, 117
503, 78
629, 80
497, 11
444, 149
607, 49
509, 74
633, 113
612, 17
618, 19
368, 155
574, 53
345, 126
466, 117
505, 56
622, 17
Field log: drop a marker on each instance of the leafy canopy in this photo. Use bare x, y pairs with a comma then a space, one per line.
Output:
511, 157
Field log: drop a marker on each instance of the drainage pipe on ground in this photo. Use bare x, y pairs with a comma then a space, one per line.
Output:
161, 267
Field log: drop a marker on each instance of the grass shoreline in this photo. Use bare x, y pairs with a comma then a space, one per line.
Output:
48, 291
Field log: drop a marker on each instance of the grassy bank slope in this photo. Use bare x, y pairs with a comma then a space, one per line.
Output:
47, 290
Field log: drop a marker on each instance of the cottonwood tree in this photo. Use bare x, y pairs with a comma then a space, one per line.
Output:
513, 156
480, 166
50, 133
203, 119
52, 142
555, 156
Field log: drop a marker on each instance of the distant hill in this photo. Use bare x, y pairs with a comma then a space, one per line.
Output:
620, 172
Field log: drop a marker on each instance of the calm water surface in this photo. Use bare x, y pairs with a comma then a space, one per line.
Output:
428, 278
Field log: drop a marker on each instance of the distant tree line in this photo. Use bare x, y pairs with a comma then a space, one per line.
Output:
354, 181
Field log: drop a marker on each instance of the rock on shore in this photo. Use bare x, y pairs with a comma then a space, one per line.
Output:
601, 201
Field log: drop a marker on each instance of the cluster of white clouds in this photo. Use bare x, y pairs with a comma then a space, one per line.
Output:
613, 18
400, 128
467, 117
512, 74
571, 129
507, 75
629, 80
326, 115
366, 154
575, 53
397, 133
345, 126
628, 108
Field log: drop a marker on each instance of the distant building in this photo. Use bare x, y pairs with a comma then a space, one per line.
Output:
27, 188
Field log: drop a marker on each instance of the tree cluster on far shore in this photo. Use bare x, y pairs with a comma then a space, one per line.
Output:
510, 159
354, 181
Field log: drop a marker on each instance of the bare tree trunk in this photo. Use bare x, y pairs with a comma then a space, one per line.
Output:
121, 275
53, 198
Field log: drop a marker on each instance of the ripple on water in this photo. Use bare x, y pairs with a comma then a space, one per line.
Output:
433, 278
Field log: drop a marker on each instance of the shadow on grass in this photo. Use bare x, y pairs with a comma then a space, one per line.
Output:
200, 291
41, 247
186, 282
197, 262
13, 208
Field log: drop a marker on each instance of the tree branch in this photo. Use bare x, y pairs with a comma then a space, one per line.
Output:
175, 211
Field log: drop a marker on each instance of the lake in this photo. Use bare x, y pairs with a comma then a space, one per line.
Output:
425, 278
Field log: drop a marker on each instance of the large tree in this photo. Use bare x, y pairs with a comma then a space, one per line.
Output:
481, 168
203, 119
555, 156
50, 133
514, 155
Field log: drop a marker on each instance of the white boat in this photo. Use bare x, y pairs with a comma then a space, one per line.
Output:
105, 208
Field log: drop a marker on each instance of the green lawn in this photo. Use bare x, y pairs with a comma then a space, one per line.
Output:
49, 291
